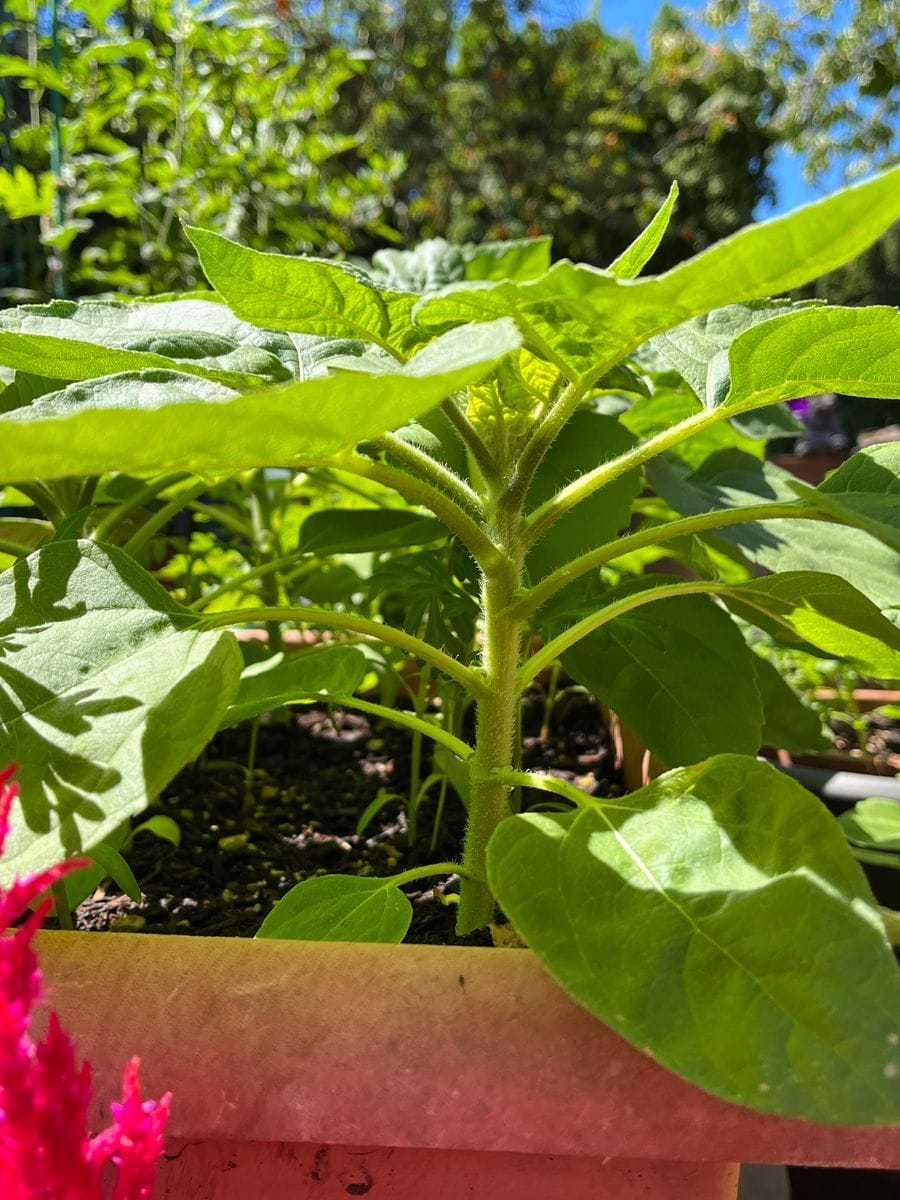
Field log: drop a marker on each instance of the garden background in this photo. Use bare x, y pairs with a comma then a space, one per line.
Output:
339, 128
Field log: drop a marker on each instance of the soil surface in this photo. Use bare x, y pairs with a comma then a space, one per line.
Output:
247, 841
249, 837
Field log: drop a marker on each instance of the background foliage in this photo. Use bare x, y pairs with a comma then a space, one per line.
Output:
349, 126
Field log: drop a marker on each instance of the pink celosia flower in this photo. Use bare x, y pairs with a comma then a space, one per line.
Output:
46, 1152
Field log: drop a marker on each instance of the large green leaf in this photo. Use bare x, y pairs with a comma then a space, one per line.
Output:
698, 349
358, 530
434, 263
729, 479
156, 421
587, 440
865, 491
789, 721
340, 908
328, 672
851, 350
70, 341
679, 674
306, 295
106, 691
824, 610
716, 920
590, 319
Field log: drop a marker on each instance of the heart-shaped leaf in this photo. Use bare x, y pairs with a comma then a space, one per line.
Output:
732, 884
340, 908
106, 692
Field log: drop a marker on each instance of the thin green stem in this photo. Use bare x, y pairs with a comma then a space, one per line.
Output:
213, 512
656, 535
12, 548
400, 716
469, 679
433, 472
163, 516
559, 645
61, 905
471, 439
547, 783
240, 581
444, 868
457, 520
265, 546
420, 702
120, 512
566, 499
43, 498
561, 408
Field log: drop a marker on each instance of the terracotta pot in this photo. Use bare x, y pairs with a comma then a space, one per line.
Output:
811, 468
328, 1070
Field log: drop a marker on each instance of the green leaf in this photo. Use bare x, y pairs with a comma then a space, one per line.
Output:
357, 530
118, 870
517, 259
70, 341
632, 261
306, 295
822, 609
40, 73
865, 491
789, 722
717, 920
162, 421
161, 827
340, 908
434, 263
679, 674
587, 440
329, 672
590, 319
27, 532
106, 692
729, 479
698, 349
855, 351
874, 823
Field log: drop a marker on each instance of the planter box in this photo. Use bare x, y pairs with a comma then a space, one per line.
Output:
333, 1069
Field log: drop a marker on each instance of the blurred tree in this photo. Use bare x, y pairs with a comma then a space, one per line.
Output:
342, 126
838, 63
566, 131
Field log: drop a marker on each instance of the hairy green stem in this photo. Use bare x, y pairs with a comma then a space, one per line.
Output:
471, 439
432, 472
548, 513
444, 868
532, 600
469, 679
559, 645
542, 437
496, 722
457, 520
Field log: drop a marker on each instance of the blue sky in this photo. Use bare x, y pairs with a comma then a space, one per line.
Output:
634, 17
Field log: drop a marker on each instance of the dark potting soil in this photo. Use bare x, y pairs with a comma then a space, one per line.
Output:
245, 843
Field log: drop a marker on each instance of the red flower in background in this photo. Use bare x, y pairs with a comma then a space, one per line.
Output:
46, 1152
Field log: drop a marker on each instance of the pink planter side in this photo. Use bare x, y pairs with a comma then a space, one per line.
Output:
282, 1171
420, 1048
